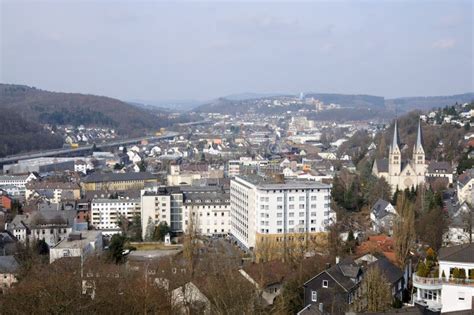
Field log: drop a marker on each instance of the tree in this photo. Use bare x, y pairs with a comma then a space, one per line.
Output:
404, 229
116, 247
375, 292
160, 231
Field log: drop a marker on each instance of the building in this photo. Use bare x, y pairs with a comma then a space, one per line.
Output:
207, 213
118, 181
453, 288
403, 174
162, 204
77, 244
333, 290
440, 170
55, 192
464, 186
107, 213
383, 215
49, 225
9, 268
206, 209
16, 180
277, 211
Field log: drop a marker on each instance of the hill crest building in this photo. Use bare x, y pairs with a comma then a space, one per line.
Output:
403, 174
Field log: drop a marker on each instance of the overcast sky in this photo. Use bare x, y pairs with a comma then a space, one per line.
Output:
190, 50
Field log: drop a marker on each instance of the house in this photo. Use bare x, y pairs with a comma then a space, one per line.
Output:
440, 170
464, 186
382, 216
50, 225
54, 192
77, 244
460, 225
335, 288
267, 277
9, 268
451, 288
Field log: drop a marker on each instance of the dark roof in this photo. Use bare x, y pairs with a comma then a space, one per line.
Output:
441, 167
113, 177
461, 253
382, 165
8, 264
465, 177
268, 273
344, 272
391, 272
379, 208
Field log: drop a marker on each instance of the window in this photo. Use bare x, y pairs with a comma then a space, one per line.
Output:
279, 222
313, 198
301, 198
279, 199
314, 296
302, 214
302, 206
291, 198
325, 283
291, 222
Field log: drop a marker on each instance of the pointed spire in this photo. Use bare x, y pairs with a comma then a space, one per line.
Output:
419, 138
395, 141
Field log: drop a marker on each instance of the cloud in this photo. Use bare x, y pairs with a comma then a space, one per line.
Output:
446, 43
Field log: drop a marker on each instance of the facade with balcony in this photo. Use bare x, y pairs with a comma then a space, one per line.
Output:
450, 286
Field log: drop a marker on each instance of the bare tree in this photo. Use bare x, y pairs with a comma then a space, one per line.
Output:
404, 229
375, 293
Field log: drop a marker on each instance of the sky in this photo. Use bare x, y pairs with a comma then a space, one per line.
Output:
178, 50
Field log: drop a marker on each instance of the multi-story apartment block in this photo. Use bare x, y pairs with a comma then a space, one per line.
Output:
278, 210
106, 213
452, 289
204, 209
16, 180
118, 181
207, 213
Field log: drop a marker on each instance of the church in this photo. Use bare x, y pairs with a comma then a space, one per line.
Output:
403, 174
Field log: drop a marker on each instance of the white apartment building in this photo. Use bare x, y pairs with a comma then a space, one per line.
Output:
277, 207
155, 207
204, 209
447, 293
233, 168
16, 180
106, 213
208, 213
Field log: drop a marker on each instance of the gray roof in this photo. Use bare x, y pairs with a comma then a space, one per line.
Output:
391, 272
344, 272
270, 183
113, 177
379, 208
8, 264
440, 167
461, 253
382, 165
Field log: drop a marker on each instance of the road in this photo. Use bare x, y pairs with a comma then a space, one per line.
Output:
57, 152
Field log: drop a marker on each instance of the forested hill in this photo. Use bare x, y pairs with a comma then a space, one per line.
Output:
43, 107
24, 110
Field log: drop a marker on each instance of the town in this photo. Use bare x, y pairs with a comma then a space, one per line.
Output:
236, 157
295, 215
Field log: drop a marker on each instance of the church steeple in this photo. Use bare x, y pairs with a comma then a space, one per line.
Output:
396, 139
419, 140
394, 157
419, 152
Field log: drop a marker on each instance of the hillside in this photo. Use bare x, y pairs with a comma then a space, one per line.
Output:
25, 109
350, 100
428, 102
45, 107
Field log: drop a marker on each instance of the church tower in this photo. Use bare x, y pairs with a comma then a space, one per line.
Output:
395, 156
419, 153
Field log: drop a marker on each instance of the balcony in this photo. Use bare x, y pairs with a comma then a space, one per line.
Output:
437, 283
427, 283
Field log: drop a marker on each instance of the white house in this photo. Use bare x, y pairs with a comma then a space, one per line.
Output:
382, 216
77, 244
445, 292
